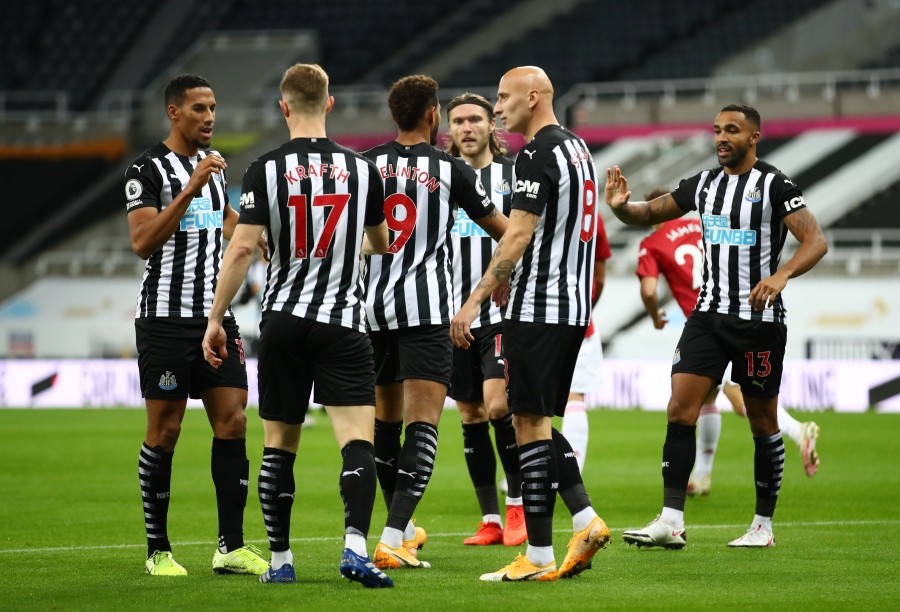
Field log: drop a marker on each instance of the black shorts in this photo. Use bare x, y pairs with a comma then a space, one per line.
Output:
424, 352
170, 358
755, 349
541, 360
483, 360
295, 354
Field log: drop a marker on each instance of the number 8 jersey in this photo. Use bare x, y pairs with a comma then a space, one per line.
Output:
556, 180
412, 284
743, 234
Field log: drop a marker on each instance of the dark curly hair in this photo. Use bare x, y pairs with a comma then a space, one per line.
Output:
410, 98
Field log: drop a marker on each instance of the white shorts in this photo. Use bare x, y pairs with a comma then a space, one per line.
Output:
587, 369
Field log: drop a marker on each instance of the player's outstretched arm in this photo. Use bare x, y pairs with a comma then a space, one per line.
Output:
658, 210
650, 298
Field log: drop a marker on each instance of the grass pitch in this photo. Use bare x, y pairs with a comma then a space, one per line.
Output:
72, 537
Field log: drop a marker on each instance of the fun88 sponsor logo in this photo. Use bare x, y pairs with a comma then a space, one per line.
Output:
716, 230
464, 227
200, 216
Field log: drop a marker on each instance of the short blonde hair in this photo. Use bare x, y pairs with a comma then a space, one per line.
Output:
304, 88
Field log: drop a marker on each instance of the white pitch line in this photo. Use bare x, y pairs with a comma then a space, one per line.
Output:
692, 527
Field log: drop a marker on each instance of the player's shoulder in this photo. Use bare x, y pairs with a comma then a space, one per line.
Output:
767, 168
153, 152
377, 150
503, 161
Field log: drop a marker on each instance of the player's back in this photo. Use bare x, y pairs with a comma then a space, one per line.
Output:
675, 250
315, 197
411, 284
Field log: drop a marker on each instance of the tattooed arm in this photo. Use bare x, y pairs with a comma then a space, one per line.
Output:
507, 254
813, 246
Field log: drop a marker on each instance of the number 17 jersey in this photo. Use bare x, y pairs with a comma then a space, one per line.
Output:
315, 197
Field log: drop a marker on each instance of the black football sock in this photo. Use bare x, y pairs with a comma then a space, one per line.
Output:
414, 468
387, 451
679, 453
155, 473
482, 465
539, 483
231, 476
357, 486
768, 466
276, 496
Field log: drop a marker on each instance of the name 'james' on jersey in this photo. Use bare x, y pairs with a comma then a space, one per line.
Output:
315, 198
556, 180
743, 234
412, 284
473, 247
180, 278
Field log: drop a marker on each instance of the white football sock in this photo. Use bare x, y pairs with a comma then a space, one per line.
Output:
789, 426
709, 428
575, 430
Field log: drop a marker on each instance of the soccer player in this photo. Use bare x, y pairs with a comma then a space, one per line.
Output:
675, 251
586, 377
548, 255
316, 200
478, 379
178, 216
745, 206
409, 302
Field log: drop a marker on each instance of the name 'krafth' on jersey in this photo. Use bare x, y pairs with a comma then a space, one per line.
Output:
315, 198
743, 234
412, 284
473, 247
556, 180
180, 278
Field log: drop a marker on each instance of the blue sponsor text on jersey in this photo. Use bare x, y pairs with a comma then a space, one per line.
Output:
200, 215
464, 227
716, 230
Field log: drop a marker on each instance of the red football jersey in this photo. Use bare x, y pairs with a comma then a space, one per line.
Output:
675, 250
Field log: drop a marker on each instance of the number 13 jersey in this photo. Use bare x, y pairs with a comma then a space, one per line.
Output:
743, 234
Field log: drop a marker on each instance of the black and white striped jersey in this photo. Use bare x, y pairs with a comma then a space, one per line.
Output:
556, 180
180, 278
743, 234
473, 247
315, 197
412, 284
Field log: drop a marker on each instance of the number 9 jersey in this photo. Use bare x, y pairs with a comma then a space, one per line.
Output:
412, 284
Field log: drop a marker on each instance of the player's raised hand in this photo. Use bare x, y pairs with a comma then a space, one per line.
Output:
616, 191
209, 165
